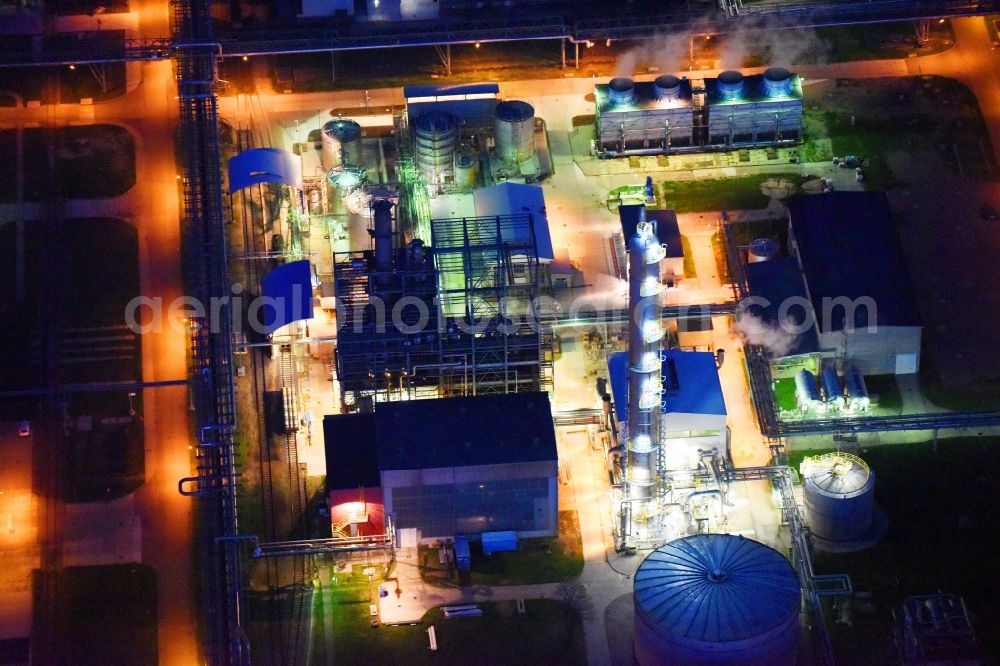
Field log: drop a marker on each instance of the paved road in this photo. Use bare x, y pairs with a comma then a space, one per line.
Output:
152, 206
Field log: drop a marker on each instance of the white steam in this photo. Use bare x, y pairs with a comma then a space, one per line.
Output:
767, 41
772, 43
773, 337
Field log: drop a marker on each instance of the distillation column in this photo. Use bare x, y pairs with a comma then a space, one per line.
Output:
645, 382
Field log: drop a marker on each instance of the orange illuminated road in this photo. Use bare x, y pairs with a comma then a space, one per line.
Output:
149, 112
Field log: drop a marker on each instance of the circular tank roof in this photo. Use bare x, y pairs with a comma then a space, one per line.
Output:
763, 246
343, 130
837, 474
514, 111
731, 77
667, 81
434, 122
716, 588
621, 84
777, 74
464, 160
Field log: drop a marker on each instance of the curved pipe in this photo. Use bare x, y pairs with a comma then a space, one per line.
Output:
692, 496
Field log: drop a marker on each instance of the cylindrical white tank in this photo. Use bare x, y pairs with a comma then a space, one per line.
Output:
857, 391
341, 143
805, 389
777, 82
838, 490
435, 135
762, 249
515, 131
833, 392
667, 87
466, 169
621, 89
730, 84
716, 599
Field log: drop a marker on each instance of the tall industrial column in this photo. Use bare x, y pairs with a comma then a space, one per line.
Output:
644, 380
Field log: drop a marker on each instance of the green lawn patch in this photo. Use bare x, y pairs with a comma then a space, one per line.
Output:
689, 269
784, 393
104, 615
941, 511
909, 115
743, 193
542, 560
549, 632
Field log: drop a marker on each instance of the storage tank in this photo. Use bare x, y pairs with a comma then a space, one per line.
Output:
730, 84
466, 169
716, 599
435, 135
667, 87
762, 249
833, 392
341, 143
515, 131
838, 491
857, 391
621, 90
776, 82
805, 389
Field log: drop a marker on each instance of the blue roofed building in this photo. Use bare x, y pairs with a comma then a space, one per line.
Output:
452, 465
471, 103
693, 407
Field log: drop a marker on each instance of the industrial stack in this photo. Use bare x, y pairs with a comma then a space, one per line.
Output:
644, 380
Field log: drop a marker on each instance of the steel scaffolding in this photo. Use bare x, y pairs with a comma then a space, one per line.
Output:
449, 320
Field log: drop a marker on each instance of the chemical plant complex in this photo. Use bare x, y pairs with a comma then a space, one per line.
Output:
445, 313
597, 369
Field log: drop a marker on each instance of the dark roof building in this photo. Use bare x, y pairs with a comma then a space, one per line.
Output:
848, 247
778, 281
452, 465
667, 231
451, 432
352, 459
846, 271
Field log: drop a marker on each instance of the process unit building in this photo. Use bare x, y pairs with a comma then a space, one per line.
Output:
418, 320
844, 288
444, 467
